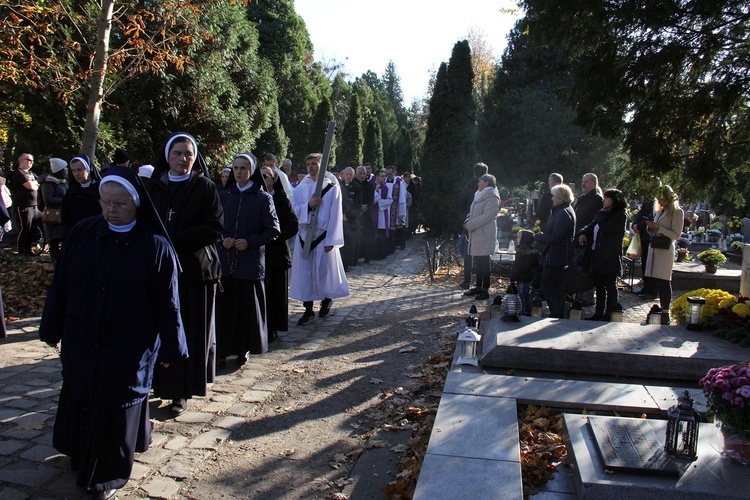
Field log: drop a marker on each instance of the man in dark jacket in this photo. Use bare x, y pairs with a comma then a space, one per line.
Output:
590, 202
367, 228
464, 204
351, 198
646, 212
544, 209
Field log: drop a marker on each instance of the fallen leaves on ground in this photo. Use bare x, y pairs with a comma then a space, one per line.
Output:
412, 408
24, 285
542, 448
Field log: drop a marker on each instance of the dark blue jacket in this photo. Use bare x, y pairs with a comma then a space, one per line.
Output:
557, 237
249, 215
113, 303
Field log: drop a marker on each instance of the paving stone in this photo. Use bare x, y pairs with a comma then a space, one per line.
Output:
161, 488
216, 407
28, 473
11, 446
152, 455
243, 409
210, 439
20, 433
194, 417
139, 471
177, 443
184, 464
255, 396
23, 404
9, 415
41, 453
13, 494
230, 422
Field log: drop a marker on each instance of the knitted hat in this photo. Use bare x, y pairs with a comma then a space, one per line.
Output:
57, 164
121, 157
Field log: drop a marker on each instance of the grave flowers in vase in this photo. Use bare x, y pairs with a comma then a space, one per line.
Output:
727, 391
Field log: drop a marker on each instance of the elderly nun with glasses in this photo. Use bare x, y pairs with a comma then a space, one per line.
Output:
114, 306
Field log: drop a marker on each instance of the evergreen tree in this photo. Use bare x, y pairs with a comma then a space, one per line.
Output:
392, 84
284, 42
373, 149
437, 159
350, 145
318, 128
274, 139
449, 151
526, 132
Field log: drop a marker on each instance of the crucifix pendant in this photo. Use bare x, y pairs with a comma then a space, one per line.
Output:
169, 215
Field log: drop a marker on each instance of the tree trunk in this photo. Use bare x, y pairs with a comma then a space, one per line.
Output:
96, 90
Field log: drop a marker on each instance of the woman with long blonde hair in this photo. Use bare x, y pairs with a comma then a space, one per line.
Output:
668, 222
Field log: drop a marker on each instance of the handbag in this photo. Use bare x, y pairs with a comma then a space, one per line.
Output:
51, 216
462, 245
661, 241
634, 249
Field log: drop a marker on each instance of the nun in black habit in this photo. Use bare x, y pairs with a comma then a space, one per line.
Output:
113, 303
82, 198
278, 258
186, 200
250, 223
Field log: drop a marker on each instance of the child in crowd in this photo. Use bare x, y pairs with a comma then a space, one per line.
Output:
525, 267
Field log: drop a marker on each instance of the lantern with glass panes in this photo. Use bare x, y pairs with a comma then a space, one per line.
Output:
576, 312
695, 312
512, 304
536, 308
467, 345
497, 306
654, 315
473, 319
616, 314
682, 429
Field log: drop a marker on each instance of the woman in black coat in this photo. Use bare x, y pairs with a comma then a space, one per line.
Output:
278, 258
187, 202
602, 239
556, 242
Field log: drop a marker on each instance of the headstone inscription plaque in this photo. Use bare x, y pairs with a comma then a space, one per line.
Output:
631, 445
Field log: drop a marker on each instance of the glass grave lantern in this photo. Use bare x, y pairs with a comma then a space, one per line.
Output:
654, 315
576, 311
536, 308
473, 319
695, 312
497, 306
682, 429
512, 304
616, 314
468, 344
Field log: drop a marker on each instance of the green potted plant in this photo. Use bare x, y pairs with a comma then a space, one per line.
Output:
736, 246
712, 259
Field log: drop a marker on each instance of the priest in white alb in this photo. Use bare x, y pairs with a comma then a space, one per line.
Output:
321, 275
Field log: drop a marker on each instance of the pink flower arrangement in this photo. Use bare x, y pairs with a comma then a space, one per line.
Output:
727, 390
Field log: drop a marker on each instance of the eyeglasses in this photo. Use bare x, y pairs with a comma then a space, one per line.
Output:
28, 159
112, 206
267, 176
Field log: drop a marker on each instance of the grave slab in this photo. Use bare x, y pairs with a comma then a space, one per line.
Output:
468, 478
475, 427
708, 478
594, 347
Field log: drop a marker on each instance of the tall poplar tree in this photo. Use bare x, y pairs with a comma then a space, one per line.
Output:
373, 149
449, 150
318, 128
352, 138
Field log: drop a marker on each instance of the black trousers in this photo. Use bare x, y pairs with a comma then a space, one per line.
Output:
481, 265
27, 218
